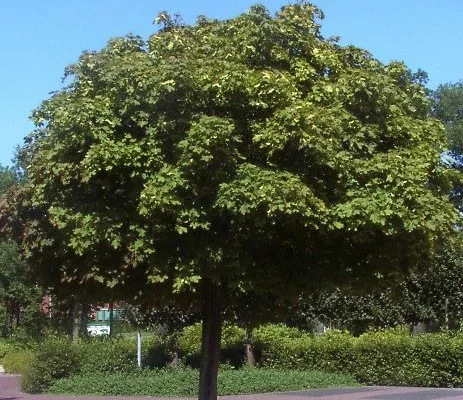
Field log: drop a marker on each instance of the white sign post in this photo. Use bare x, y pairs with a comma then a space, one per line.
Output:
139, 348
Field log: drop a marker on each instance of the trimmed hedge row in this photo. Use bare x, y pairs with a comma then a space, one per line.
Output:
374, 358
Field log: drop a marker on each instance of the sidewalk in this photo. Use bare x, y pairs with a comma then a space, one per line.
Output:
9, 390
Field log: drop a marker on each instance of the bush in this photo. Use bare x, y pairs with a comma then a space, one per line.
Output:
386, 358
5, 347
382, 358
189, 340
280, 346
108, 355
375, 358
274, 332
232, 344
58, 357
112, 355
14, 344
17, 362
54, 359
332, 352
156, 356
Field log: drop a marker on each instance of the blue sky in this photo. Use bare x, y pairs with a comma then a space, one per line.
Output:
38, 38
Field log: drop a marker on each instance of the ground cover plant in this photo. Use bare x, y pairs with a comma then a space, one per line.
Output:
184, 382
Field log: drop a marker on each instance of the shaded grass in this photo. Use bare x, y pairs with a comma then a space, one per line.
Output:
184, 382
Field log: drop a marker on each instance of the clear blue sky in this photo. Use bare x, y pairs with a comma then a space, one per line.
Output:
38, 38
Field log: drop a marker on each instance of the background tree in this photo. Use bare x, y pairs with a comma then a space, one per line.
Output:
247, 157
355, 312
447, 106
8, 178
435, 295
19, 299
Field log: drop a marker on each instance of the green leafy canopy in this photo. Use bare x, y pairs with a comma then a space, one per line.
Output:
251, 151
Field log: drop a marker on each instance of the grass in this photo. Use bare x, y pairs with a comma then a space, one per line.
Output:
184, 382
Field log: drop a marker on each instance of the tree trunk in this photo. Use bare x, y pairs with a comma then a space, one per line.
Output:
18, 315
250, 357
76, 319
210, 341
174, 358
83, 332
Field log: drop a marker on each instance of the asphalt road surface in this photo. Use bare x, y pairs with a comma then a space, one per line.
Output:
9, 390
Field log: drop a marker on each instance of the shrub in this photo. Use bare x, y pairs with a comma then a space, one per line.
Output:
375, 358
232, 344
424, 360
332, 352
156, 356
5, 347
54, 359
382, 358
275, 332
108, 355
17, 362
113, 355
281, 346
232, 335
189, 340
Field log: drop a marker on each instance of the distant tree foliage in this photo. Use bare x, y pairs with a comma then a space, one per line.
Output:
8, 178
447, 106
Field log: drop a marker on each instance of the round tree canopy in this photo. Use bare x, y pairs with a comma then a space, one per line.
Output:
253, 152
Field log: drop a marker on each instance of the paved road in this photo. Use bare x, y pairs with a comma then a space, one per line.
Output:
9, 390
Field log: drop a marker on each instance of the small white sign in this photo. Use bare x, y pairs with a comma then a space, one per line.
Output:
98, 330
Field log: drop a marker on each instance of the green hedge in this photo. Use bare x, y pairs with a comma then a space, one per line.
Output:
374, 358
423, 360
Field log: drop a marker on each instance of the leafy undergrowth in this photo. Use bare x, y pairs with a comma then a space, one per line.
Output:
184, 382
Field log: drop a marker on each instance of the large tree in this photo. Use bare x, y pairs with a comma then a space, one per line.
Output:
246, 157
